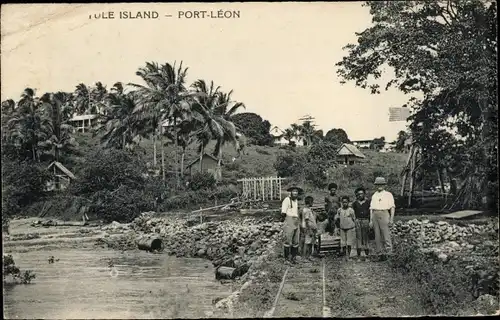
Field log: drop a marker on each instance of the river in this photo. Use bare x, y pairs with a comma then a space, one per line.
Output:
102, 283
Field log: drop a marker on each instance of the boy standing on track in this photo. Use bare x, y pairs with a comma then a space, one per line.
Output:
362, 212
331, 206
291, 226
310, 228
347, 223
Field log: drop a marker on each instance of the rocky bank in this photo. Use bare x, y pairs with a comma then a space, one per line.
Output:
231, 243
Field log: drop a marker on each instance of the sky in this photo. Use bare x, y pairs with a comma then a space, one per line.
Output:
278, 58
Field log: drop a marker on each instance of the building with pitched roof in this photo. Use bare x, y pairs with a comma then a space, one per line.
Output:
348, 154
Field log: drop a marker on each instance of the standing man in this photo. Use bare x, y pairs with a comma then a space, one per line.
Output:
291, 227
362, 211
382, 208
331, 206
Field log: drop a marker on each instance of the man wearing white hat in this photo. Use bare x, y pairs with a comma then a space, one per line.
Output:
382, 208
291, 227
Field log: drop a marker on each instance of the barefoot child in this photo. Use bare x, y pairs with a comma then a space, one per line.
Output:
310, 227
362, 212
347, 223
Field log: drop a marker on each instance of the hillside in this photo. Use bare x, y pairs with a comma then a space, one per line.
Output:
258, 161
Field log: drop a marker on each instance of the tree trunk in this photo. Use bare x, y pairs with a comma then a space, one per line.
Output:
123, 141
405, 175
412, 176
162, 147
176, 143
154, 150
201, 157
440, 178
183, 155
219, 163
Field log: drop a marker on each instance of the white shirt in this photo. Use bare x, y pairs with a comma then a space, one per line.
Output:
382, 201
290, 207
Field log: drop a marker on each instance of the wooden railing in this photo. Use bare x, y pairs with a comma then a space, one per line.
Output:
264, 188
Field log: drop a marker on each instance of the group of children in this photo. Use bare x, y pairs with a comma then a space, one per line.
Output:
349, 220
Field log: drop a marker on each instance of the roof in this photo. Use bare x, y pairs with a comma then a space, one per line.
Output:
198, 159
349, 149
84, 117
63, 169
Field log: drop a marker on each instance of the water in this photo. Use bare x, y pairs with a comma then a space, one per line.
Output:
101, 283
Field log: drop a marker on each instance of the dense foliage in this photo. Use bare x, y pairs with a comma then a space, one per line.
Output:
446, 52
254, 128
23, 183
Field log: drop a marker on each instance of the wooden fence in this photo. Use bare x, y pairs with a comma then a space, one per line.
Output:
265, 188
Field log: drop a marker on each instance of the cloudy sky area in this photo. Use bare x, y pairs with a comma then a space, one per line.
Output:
278, 58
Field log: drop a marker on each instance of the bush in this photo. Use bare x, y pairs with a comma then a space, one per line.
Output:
325, 152
10, 268
107, 170
444, 287
122, 205
113, 186
290, 164
202, 197
23, 183
202, 180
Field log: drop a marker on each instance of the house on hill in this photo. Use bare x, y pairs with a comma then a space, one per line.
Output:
208, 164
278, 138
61, 178
84, 122
349, 154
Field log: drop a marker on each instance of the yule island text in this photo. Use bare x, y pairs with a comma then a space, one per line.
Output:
192, 14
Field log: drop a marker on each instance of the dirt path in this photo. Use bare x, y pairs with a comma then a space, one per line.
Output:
366, 288
352, 289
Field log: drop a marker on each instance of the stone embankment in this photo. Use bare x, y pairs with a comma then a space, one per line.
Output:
226, 243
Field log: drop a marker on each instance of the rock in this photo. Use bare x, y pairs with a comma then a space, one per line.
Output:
443, 257
201, 252
487, 304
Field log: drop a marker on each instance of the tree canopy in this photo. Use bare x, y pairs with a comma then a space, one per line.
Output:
445, 51
254, 128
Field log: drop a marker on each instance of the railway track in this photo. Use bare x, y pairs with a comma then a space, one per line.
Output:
304, 291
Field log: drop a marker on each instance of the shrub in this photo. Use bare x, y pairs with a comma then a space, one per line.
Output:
107, 170
23, 183
290, 164
202, 180
122, 205
10, 268
190, 199
444, 287
325, 152
113, 186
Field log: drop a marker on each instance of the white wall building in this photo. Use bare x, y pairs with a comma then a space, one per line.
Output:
277, 134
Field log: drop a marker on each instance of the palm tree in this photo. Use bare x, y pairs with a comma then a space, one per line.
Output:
120, 124
306, 132
55, 127
90, 100
164, 97
204, 105
25, 125
225, 109
289, 134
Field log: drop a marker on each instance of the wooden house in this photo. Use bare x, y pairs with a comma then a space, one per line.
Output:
348, 154
208, 164
61, 178
83, 123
